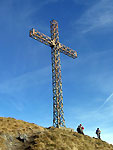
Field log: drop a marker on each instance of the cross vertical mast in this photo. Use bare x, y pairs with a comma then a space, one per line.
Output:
58, 114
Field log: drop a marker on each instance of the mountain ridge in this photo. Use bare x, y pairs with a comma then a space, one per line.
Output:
21, 135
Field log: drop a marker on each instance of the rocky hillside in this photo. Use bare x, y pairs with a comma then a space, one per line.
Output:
21, 135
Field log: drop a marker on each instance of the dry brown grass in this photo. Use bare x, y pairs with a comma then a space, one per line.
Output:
11, 129
40, 138
58, 139
13, 126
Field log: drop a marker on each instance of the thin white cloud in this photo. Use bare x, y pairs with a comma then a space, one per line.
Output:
92, 119
17, 104
107, 100
83, 2
98, 16
13, 91
40, 6
98, 73
25, 80
23, 13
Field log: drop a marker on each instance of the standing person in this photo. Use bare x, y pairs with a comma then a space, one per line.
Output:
98, 133
80, 129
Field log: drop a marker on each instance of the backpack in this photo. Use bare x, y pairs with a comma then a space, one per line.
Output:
78, 130
97, 131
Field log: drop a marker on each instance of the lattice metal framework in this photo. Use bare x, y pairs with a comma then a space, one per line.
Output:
56, 48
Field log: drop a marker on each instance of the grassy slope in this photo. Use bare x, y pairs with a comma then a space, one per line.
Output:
40, 138
58, 139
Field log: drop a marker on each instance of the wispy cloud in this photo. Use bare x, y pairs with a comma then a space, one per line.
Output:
97, 16
107, 100
92, 119
25, 80
83, 2
14, 92
98, 73
17, 104
21, 13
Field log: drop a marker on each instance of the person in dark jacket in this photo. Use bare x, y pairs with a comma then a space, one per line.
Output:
98, 133
80, 129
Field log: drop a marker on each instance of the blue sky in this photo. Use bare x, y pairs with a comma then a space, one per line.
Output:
25, 64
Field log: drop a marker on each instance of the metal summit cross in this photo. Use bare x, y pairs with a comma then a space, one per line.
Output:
56, 48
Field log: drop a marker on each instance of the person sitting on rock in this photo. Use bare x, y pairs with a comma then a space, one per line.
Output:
80, 129
98, 133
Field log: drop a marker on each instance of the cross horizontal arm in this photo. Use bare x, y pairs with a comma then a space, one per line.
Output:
67, 51
40, 37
